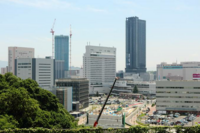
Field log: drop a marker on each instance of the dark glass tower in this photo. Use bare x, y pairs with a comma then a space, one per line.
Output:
62, 50
135, 45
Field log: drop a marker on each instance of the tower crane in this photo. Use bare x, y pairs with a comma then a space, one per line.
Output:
52, 31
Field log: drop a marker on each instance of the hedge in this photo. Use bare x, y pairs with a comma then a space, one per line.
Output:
133, 129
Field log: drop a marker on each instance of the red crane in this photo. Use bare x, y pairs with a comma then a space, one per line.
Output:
52, 31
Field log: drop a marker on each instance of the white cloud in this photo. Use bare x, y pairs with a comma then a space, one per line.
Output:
45, 4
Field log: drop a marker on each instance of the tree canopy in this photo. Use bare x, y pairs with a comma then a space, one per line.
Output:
24, 104
135, 90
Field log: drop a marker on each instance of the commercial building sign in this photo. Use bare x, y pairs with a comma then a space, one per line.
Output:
196, 76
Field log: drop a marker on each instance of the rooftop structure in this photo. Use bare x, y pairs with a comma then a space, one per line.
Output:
175, 71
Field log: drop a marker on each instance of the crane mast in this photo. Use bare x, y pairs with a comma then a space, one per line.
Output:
52, 31
70, 50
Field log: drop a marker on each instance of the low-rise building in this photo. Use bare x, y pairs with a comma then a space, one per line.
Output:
121, 87
64, 94
178, 96
145, 88
80, 87
131, 95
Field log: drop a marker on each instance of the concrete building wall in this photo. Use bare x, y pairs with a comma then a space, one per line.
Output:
179, 96
18, 52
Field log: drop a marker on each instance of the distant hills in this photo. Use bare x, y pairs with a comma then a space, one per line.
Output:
3, 64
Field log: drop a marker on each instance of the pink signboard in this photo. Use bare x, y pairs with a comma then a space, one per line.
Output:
196, 76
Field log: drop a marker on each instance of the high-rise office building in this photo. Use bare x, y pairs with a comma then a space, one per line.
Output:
99, 67
62, 50
18, 52
59, 69
135, 45
38, 69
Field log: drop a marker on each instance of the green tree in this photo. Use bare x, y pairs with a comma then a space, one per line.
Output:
24, 104
7, 122
135, 89
97, 93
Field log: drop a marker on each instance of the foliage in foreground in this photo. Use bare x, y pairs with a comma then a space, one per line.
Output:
24, 104
133, 129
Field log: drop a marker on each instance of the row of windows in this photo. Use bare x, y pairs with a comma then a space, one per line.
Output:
44, 64
178, 87
24, 63
24, 66
179, 92
177, 97
170, 87
180, 101
174, 106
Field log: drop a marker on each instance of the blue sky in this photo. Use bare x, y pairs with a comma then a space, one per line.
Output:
173, 27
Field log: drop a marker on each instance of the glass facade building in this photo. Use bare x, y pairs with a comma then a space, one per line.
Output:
62, 50
135, 45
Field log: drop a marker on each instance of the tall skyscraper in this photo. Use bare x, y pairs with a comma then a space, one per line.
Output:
62, 50
99, 67
135, 45
18, 52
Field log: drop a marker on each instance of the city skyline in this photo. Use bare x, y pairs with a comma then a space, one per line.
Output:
103, 24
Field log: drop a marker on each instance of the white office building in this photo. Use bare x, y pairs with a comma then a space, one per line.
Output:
38, 69
16, 53
182, 71
178, 96
99, 67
